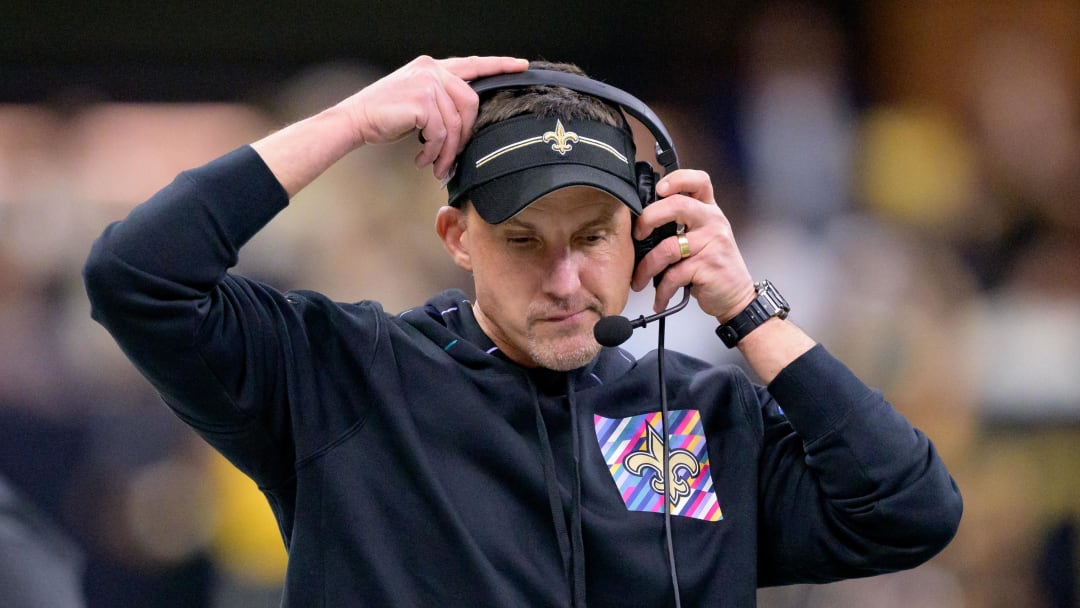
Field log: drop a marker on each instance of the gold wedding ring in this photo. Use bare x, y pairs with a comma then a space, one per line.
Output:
684, 247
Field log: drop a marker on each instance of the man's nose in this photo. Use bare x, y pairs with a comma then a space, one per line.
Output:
563, 277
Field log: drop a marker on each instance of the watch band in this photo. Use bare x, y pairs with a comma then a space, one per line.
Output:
768, 304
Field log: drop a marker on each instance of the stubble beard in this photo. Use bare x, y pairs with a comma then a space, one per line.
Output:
563, 354
565, 351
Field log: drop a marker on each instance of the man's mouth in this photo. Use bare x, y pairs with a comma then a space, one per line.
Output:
565, 317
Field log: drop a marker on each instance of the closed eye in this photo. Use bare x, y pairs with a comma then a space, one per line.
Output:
591, 239
520, 241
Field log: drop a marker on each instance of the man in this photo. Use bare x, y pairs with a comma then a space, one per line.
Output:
491, 453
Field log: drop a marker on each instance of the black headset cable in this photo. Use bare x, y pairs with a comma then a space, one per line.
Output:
667, 455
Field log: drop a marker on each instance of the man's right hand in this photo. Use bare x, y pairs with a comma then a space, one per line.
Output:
426, 94
430, 95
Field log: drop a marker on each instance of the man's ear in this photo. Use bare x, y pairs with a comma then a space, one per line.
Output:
452, 226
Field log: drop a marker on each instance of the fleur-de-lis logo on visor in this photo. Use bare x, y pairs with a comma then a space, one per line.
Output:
561, 137
682, 465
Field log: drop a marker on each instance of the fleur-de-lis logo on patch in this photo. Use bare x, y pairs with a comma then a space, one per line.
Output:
561, 137
682, 466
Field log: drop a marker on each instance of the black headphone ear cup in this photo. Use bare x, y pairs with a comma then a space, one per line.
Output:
646, 185
646, 182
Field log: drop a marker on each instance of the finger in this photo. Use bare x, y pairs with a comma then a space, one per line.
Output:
655, 262
451, 121
429, 122
674, 280
469, 68
678, 208
694, 183
467, 103
440, 122
675, 277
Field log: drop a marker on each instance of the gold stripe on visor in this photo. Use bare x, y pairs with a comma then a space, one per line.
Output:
605, 147
480, 162
562, 140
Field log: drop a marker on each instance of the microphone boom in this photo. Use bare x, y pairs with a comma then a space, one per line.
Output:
616, 329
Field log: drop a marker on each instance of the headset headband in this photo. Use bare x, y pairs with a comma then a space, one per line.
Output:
665, 150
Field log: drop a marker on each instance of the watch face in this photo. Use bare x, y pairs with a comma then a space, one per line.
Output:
770, 298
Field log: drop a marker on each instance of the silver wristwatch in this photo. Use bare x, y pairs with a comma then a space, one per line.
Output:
768, 304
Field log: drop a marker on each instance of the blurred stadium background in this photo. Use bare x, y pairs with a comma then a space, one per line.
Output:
907, 172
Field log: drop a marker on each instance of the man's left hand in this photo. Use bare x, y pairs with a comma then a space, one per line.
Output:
713, 266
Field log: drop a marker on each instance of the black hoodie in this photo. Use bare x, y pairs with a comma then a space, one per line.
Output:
409, 464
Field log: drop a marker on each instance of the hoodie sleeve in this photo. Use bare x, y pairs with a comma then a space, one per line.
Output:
848, 487
210, 342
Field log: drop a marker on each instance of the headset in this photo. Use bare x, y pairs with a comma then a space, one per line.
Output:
646, 178
645, 175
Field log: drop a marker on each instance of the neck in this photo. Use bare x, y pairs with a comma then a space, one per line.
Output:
499, 339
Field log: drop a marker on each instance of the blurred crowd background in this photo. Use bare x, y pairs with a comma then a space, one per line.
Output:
910, 179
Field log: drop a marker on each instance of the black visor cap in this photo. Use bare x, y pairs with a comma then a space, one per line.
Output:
512, 163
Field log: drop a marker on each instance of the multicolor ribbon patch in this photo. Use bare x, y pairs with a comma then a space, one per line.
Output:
634, 452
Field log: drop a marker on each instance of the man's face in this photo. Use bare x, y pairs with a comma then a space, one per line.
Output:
546, 276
